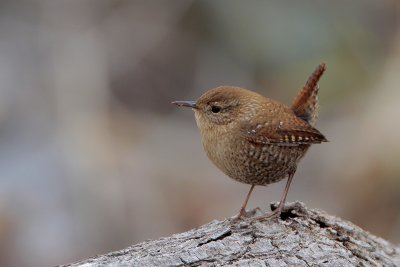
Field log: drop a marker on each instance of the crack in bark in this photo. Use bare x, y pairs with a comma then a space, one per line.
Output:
218, 238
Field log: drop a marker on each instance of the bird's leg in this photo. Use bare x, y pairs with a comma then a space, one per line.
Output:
242, 212
277, 212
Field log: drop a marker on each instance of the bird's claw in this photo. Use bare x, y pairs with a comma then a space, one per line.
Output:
246, 214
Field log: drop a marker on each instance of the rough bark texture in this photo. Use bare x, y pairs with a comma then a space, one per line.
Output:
301, 237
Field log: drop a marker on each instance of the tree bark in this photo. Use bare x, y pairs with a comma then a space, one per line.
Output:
301, 237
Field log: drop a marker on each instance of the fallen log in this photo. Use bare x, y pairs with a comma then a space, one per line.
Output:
300, 237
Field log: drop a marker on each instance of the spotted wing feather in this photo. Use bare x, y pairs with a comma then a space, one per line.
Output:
289, 132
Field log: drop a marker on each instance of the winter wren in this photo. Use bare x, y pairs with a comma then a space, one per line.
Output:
254, 139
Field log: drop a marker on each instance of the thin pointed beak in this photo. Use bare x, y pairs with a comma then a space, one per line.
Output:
190, 104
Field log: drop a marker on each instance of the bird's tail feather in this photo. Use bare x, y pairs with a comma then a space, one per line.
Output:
305, 105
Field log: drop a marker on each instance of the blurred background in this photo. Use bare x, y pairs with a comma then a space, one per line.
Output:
94, 158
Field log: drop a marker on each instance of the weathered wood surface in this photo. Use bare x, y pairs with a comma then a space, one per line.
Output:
301, 237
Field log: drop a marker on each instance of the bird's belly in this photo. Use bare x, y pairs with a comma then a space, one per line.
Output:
252, 163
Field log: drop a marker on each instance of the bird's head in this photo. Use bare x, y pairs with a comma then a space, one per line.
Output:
222, 105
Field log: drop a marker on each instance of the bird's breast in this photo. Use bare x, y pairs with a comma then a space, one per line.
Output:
248, 162
216, 142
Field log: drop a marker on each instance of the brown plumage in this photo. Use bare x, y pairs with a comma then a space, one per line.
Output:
305, 105
256, 140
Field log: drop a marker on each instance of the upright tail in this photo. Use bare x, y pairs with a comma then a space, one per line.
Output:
305, 105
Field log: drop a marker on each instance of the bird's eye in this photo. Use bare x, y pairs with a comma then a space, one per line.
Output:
215, 109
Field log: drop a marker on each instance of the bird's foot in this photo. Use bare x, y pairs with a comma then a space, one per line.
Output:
274, 214
246, 214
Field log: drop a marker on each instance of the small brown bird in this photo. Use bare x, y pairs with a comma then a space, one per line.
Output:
254, 139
